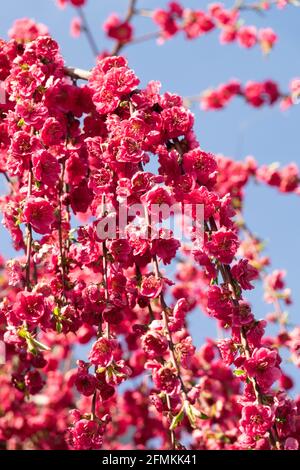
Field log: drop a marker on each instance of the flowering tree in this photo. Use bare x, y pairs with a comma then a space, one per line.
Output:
123, 225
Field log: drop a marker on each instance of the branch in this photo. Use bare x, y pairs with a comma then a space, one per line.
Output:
129, 15
86, 28
78, 74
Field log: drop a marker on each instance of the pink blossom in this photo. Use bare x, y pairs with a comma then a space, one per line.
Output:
263, 365
45, 167
243, 272
247, 36
256, 420
25, 30
76, 27
223, 245
154, 344
166, 380
39, 213
86, 435
151, 286
85, 383
116, 29
201, 163
31, 308
102, 352
53, 132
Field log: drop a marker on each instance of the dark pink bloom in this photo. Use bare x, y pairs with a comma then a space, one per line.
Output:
39, 213
45, 167
53, 132
256, 420
151, 286
263, 365
154, 344
243, 272
102, 352
25, 30
87, 435
247, 36
166, 380
85, 383
201, 163
223, 245
32, 308
33, 382
116, 29
177, 121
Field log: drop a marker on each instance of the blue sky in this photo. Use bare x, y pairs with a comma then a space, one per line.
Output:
187, 67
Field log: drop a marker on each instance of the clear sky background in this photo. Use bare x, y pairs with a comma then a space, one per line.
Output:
188, 67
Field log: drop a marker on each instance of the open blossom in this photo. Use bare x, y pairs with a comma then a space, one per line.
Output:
201, 163
256, 420
86, 435
25, 30
39, 213
219, 303
46, 167
243, 272
151, 286
102, 352
223, 245
247, 36
154, 344
166, 380
267, 38
85, 383
116, 29
177, 121
53, 132
31, 308
263, 365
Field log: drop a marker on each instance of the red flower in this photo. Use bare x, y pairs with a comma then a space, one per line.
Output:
46, 167
263, 365
102, 352
247, 36
116, 29
166, 380
39, 214
154, 344
151, 286
85, 383
243, 272
201, 163
32, 308
256, 420
223, 245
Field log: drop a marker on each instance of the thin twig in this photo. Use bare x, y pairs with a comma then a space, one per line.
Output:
88, 32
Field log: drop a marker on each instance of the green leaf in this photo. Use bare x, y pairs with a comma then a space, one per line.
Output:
239, 372
177, 419
59, 327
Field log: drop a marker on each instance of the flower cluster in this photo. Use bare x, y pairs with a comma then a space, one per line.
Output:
195, 23
256, 94
72, 154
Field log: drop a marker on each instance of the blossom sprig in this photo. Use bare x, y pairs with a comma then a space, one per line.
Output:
83, 150
256, 94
